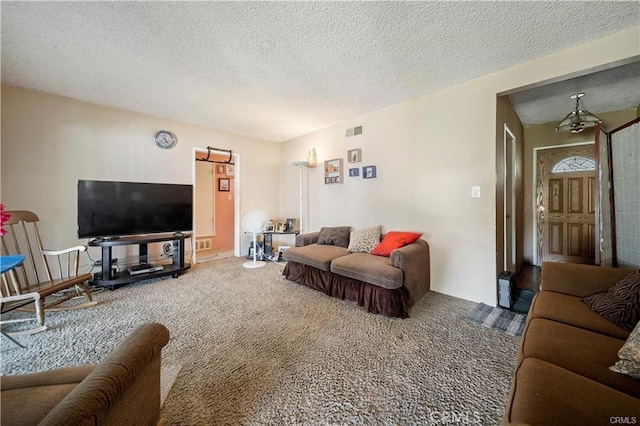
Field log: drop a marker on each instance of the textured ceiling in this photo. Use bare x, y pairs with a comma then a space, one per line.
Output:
611, 90
277, 70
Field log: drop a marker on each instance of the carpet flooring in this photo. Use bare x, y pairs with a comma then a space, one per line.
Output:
256, 349
168, 376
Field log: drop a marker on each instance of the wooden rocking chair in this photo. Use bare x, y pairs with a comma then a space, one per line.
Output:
52, 274
8, 303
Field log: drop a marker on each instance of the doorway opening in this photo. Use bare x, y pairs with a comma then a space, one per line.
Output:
564, 189
216, 205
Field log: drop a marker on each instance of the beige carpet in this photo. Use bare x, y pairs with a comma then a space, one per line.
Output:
168, 376
256, 349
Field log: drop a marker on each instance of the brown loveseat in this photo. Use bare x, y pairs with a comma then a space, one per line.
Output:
381, 285
562, 366
122, 390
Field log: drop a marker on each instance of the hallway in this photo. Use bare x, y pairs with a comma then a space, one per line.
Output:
527, 284
529, 277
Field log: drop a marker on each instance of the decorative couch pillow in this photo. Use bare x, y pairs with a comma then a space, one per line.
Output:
394, 240
364, 240
621, 303
629, 354
335, 236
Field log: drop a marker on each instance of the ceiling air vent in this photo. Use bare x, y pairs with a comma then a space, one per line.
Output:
354, 131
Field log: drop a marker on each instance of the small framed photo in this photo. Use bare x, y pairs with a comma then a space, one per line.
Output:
269, 228
355, 172
220, 169
224, 185
230, 169
354, 156
291, 225
280, 226
369, 172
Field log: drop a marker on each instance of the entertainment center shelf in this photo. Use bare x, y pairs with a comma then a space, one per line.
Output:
116, 278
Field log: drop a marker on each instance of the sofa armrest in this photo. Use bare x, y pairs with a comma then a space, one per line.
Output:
307, 239
28, 398
414, 261
579, 280
59, 376
123, 389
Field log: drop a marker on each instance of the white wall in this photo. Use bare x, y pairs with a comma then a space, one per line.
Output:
49, 142
429, 152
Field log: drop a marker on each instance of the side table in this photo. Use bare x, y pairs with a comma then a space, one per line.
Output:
267, 238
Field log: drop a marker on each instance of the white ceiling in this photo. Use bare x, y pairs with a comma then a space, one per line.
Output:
277, 70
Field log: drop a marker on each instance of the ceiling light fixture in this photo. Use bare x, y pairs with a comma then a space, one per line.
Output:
579, 119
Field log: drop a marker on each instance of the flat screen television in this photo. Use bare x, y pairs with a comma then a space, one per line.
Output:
112, 209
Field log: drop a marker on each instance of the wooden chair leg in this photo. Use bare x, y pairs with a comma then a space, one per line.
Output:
85, 290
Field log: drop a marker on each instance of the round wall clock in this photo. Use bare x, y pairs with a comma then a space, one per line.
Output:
165, 139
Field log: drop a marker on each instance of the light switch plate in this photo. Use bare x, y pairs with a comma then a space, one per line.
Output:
475, 192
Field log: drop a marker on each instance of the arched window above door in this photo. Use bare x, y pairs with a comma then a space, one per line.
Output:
574, 164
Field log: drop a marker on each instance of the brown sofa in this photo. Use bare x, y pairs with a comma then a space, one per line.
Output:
122, 390
381, 285
562, 372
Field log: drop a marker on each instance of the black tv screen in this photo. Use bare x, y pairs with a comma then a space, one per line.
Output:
111, 209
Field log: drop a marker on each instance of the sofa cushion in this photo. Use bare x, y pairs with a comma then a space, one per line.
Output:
394, 240
316, 255
546, 394
573, 311
368, 268
629, 354
364, 240
581, 351
621, 303
335, 236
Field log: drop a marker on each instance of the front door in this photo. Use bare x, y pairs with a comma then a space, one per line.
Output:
566, 204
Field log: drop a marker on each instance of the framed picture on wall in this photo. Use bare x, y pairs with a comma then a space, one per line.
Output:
224, 185
230, 169
355, 172
369, 172
333, 171
220, 169
354, 155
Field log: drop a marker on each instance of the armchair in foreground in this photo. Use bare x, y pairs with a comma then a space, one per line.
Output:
122, 390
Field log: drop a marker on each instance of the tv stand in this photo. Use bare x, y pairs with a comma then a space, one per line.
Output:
100, 239
118, 278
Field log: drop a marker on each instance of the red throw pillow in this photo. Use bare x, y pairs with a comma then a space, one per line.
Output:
394, 240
